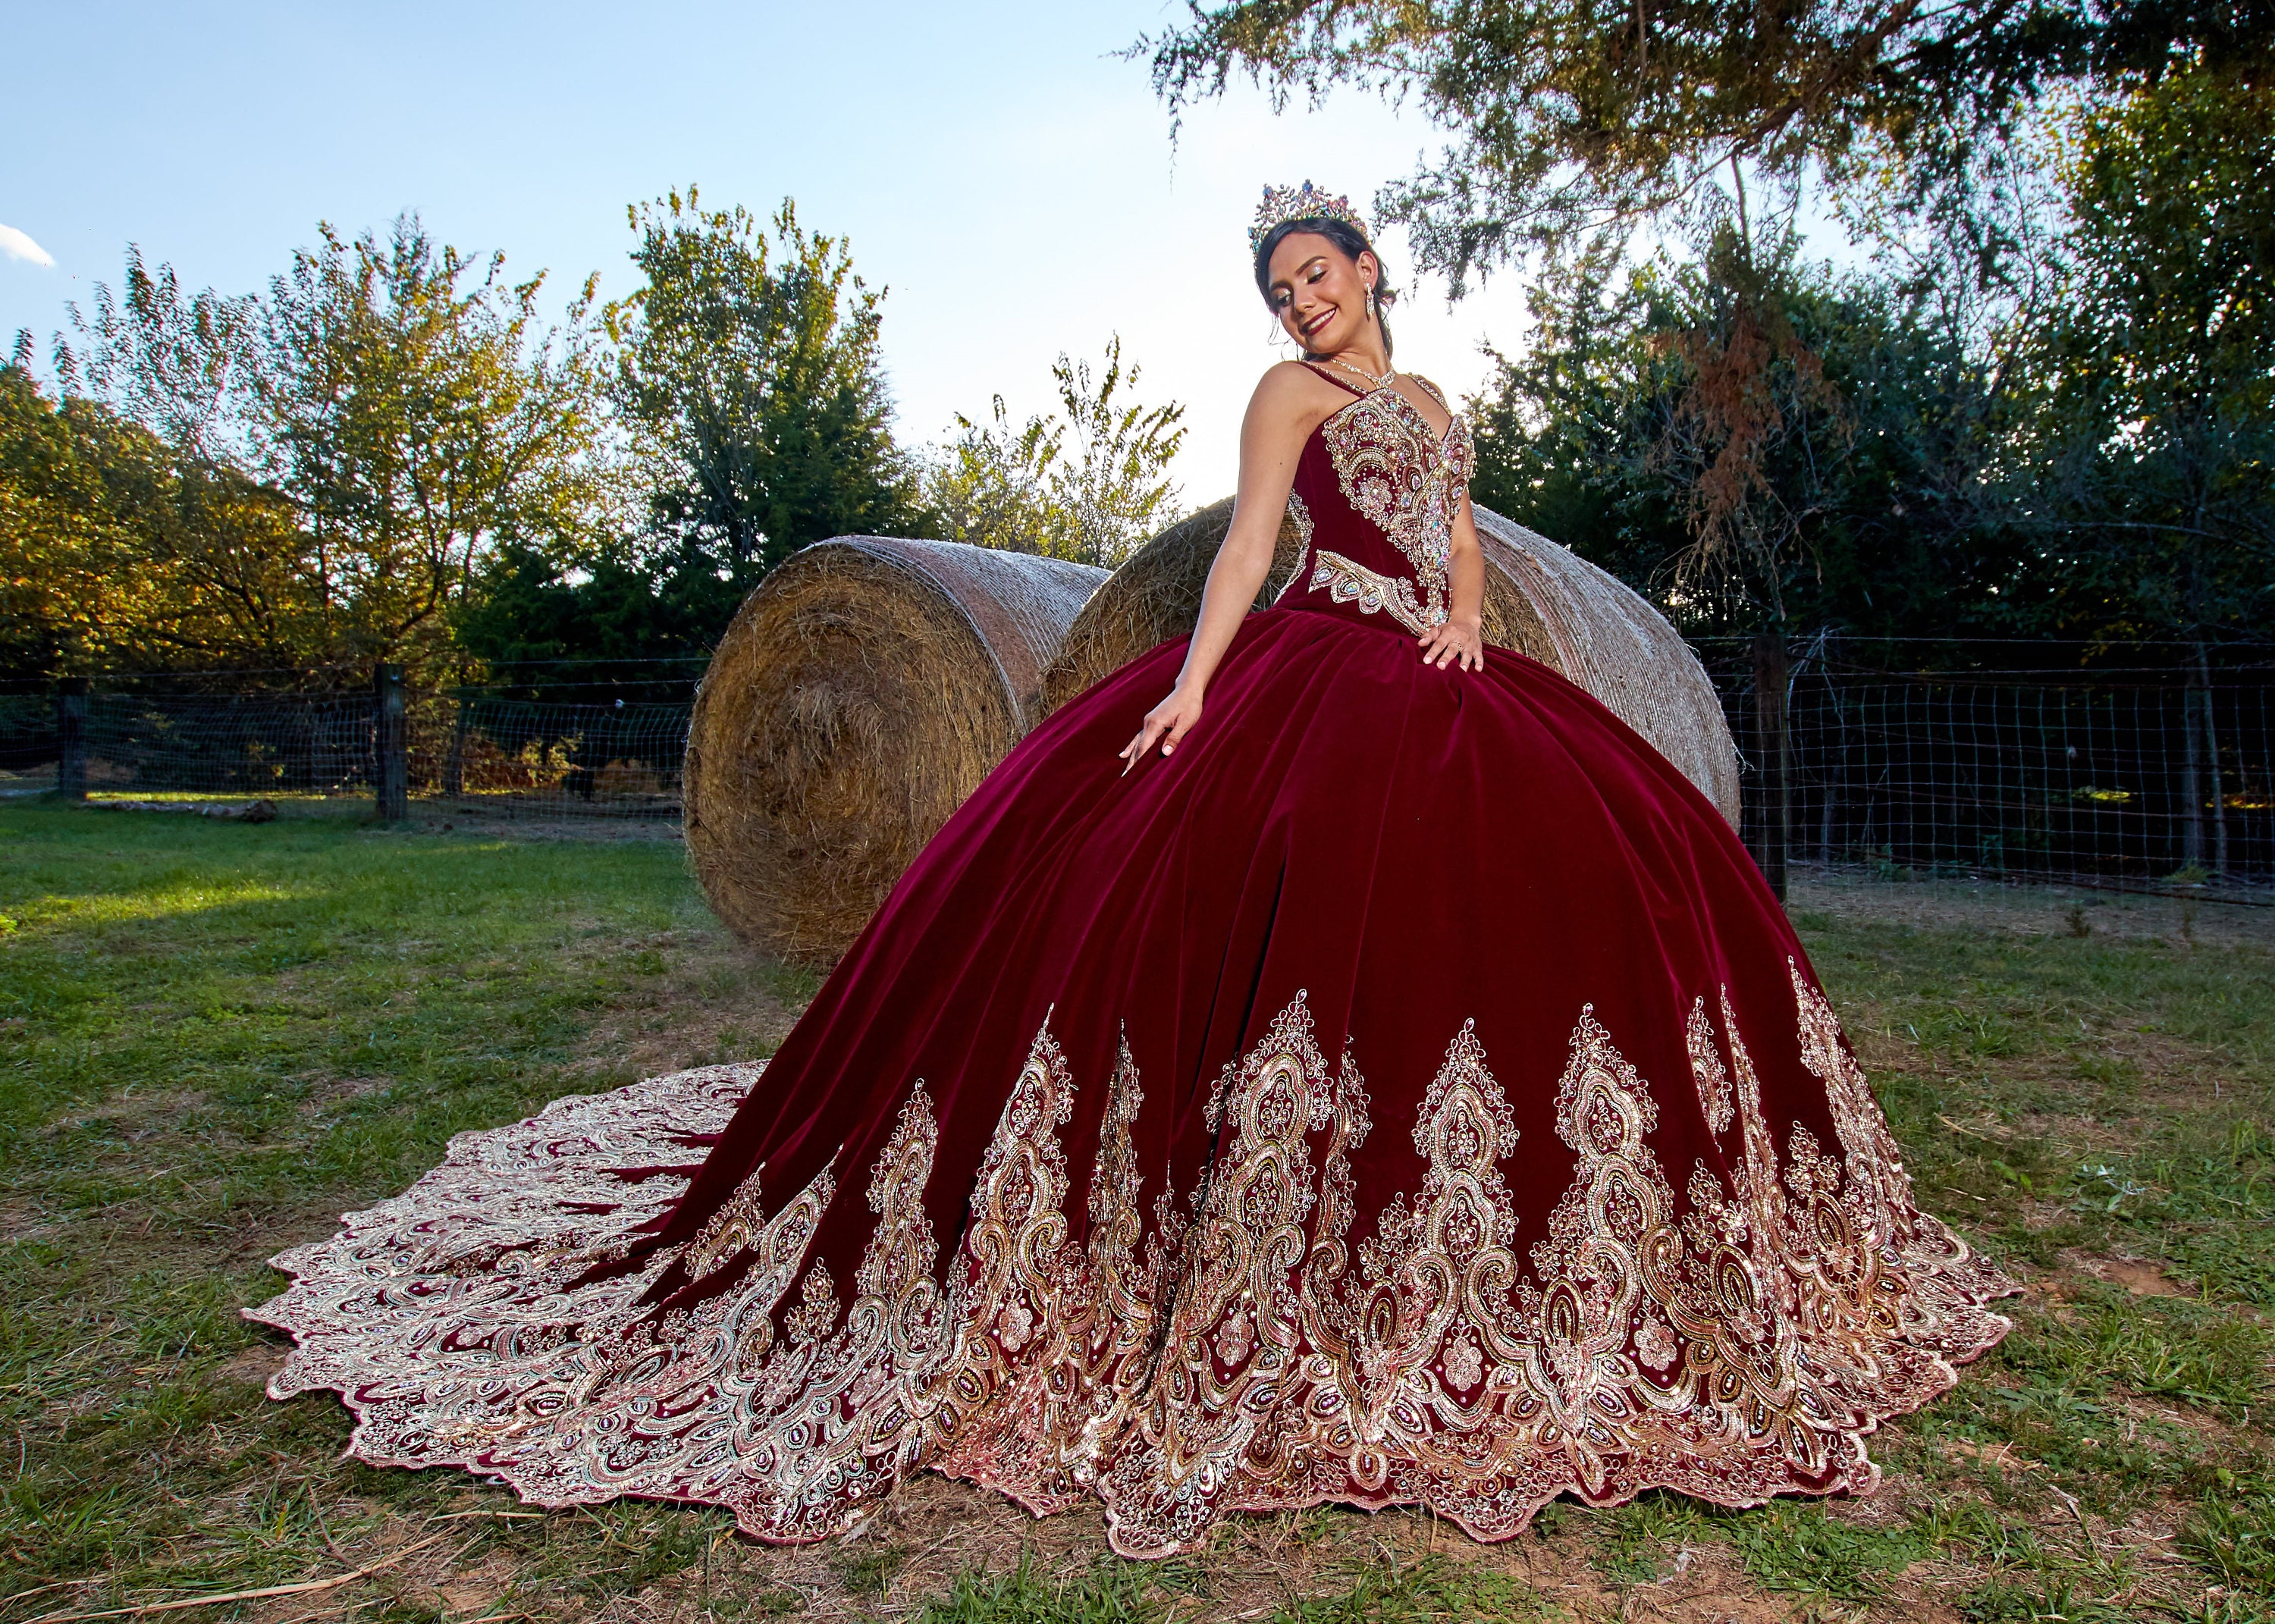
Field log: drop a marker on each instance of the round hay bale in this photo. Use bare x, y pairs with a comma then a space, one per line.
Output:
1604, 636
1541, 599
863, 691
1154, 596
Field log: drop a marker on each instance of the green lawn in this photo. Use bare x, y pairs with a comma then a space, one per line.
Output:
214, 1037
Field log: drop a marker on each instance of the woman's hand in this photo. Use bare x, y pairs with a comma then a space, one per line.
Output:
1169, 723
1461, 638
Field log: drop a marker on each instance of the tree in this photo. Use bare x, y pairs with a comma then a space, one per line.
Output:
412, 406
2158, 368
211, 562
1573, 121
1879, 517
1090, 484
750, 376
1568, 117
314, 478
2158, 427
68, 544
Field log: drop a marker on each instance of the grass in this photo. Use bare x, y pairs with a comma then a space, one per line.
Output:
214, 1037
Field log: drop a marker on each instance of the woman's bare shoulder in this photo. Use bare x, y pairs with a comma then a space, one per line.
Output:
1291, 393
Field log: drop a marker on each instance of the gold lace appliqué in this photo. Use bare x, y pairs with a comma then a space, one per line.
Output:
1399, 473
1349, 582
1310, 1332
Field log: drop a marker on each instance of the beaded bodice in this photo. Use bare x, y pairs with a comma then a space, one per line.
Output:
1374, 498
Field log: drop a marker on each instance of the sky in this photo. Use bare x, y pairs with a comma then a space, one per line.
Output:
1011, 181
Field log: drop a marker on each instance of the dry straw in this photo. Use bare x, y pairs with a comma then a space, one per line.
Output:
1154, 596
862, 693
868, 685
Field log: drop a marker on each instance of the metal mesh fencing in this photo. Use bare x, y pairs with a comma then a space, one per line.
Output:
2136, 780
469, 750
2139, 781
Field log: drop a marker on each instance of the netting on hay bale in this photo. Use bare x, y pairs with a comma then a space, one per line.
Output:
861, 693
1605, 637
1541, 599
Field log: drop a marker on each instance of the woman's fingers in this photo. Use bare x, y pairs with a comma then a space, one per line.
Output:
1166, 728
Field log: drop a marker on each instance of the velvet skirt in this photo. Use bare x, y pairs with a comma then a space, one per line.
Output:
1406, 1092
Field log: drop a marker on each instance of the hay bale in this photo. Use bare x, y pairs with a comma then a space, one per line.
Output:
863, 691
1605, 637
1541, 599
1154, 596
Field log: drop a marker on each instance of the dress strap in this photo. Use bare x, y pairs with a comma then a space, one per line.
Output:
1433, 391
1338, 382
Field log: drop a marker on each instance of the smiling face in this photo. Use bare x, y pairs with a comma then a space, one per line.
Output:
1318, 293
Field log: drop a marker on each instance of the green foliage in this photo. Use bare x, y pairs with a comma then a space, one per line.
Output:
1565, 118
2233, 1534
1767, 444
533, 622
1631, 1540
1797, 1546
116, 551
1113, 1594
749, 374
1839, 483
2158, 367
1391, 1592
389, 454
410, 405
306, 478
1090, 484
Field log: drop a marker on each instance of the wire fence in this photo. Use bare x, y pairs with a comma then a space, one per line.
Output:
466, 750
2139, 781
2129, 778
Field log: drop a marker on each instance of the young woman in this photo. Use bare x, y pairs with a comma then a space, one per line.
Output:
1331, 1059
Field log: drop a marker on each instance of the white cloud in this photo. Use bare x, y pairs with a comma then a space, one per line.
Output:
17, 246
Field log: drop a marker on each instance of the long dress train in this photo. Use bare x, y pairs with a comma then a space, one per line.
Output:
1407, 1093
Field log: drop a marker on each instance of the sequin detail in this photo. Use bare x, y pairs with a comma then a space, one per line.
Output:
1287, 1343
1348, 581
1400, 474
1707, 1072
1300, 517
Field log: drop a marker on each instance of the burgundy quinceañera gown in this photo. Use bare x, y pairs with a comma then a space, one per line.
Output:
1406, 1093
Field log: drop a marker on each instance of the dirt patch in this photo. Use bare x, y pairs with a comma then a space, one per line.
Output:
252, 1366
2143, 1279
692, 1000
20, 1223
2030, 909
2001, 1456
136, 1114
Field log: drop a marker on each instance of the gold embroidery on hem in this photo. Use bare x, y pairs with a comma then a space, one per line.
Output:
1279, 1354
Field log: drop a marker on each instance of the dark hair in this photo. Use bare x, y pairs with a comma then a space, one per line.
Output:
1344, 236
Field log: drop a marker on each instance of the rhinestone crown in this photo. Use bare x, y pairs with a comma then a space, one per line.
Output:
1282, 204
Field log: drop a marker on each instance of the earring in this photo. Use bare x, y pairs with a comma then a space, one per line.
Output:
1369, 299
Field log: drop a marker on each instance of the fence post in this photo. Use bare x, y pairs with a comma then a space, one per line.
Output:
391, 777
71, 738
454, 764
1770, 747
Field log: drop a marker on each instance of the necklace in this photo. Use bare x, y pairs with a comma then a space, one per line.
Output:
1360, 372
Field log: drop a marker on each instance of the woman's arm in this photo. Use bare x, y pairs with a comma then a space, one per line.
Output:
1280, 416
1463, 636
